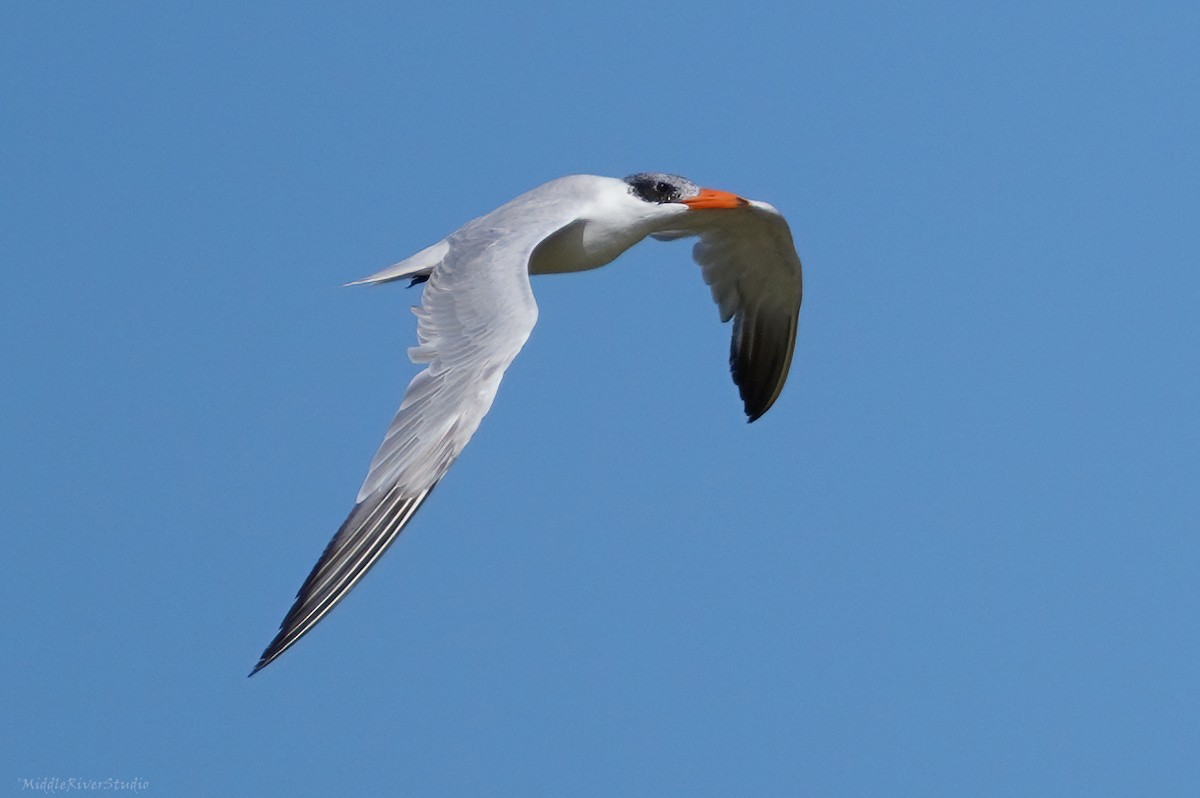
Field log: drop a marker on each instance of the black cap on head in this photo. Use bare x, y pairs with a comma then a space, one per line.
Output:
659, 187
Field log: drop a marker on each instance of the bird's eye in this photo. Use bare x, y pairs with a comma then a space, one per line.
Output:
665, 192
655, 188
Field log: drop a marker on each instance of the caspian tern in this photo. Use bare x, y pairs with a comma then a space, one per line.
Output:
478, 310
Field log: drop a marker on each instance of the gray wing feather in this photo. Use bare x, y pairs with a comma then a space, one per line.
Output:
477, 311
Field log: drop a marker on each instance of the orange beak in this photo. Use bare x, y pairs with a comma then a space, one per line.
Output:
710, 198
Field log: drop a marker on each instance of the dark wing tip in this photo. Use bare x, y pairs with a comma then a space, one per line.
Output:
366, 533
271, 652
755, 406
760, 355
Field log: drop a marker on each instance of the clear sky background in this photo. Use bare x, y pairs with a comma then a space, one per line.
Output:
959, 556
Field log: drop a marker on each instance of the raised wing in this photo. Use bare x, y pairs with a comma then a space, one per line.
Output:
748, 258
476, 313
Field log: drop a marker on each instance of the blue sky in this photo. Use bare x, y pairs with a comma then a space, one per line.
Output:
958, 557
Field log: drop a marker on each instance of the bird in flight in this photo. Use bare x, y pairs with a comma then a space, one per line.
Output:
477, 311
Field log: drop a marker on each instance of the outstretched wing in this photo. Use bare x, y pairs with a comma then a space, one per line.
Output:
748, 258
476, 313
